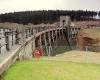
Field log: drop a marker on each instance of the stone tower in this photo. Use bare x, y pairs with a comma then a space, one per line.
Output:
65, 21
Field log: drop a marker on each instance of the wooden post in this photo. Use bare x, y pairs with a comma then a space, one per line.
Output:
7, 41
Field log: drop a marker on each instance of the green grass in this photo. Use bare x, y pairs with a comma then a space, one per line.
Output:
52, 70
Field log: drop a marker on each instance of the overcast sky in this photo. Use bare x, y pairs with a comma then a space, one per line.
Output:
23, 5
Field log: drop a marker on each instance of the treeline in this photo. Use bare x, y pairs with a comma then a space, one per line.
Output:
45, 16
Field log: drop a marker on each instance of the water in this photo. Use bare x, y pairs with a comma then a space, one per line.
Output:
60, 47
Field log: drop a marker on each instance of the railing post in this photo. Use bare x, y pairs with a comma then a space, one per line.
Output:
26, 33
3, 30
86, 48
32, 31
29, 32
12, 38
0, 48
7, 41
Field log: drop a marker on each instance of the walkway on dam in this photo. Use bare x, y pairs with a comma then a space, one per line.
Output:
6, 54
3, 56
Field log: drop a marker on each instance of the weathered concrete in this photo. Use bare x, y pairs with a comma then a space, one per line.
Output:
22, 51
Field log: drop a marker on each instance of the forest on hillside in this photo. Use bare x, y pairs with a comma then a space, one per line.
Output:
46, 16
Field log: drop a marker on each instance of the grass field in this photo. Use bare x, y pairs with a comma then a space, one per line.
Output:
52, 70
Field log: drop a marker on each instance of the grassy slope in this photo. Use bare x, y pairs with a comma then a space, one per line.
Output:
92, 33
52, 70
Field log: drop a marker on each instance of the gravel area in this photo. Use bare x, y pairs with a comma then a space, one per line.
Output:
78, 56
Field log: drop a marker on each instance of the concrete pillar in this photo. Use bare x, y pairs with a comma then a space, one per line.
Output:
53, 38
50, 46
40, 41
33, 44
56, 35
37, 42
46, 45
59, 34
62, 33
16, 37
